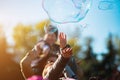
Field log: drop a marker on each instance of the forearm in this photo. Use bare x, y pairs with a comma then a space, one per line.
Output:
25, 65
57, 68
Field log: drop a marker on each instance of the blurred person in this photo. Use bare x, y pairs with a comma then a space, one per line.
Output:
55, 65
35, 60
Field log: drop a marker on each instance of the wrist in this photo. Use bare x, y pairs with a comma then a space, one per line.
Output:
66, 46
64, 54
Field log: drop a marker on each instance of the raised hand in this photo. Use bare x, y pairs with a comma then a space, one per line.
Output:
63, 40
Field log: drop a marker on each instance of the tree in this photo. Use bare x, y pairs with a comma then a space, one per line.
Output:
9, 69
3, 42
24, 37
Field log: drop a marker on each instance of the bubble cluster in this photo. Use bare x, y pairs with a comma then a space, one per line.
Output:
66, 11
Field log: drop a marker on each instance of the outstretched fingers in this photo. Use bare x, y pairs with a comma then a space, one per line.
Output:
67, 52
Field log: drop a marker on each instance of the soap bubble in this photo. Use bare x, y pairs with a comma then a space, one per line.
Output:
105, 5
66, 11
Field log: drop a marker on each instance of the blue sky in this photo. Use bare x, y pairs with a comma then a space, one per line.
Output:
100, 22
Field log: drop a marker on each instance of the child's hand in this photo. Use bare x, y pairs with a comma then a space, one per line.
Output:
67, 52
63, 40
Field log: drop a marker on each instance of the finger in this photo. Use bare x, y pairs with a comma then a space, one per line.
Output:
64, 36
67, 50
70, 51
60, 35
63, 51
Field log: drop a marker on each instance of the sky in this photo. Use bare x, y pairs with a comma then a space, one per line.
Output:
99, 22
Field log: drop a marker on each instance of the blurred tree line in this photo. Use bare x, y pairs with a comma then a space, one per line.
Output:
26, 36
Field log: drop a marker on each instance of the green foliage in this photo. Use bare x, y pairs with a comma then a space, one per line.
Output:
22, 36
74, 44
26, 36
9, 69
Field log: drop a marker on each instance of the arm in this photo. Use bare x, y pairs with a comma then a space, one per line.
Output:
25, 64
57, 68
32, 55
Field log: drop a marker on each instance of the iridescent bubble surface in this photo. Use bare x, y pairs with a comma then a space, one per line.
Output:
66, 11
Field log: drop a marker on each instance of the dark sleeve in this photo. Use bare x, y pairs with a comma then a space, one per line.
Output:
57, 68
72, 62
25, 64
73, 65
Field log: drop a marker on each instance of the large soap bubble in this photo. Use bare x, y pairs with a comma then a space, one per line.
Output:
64, 11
